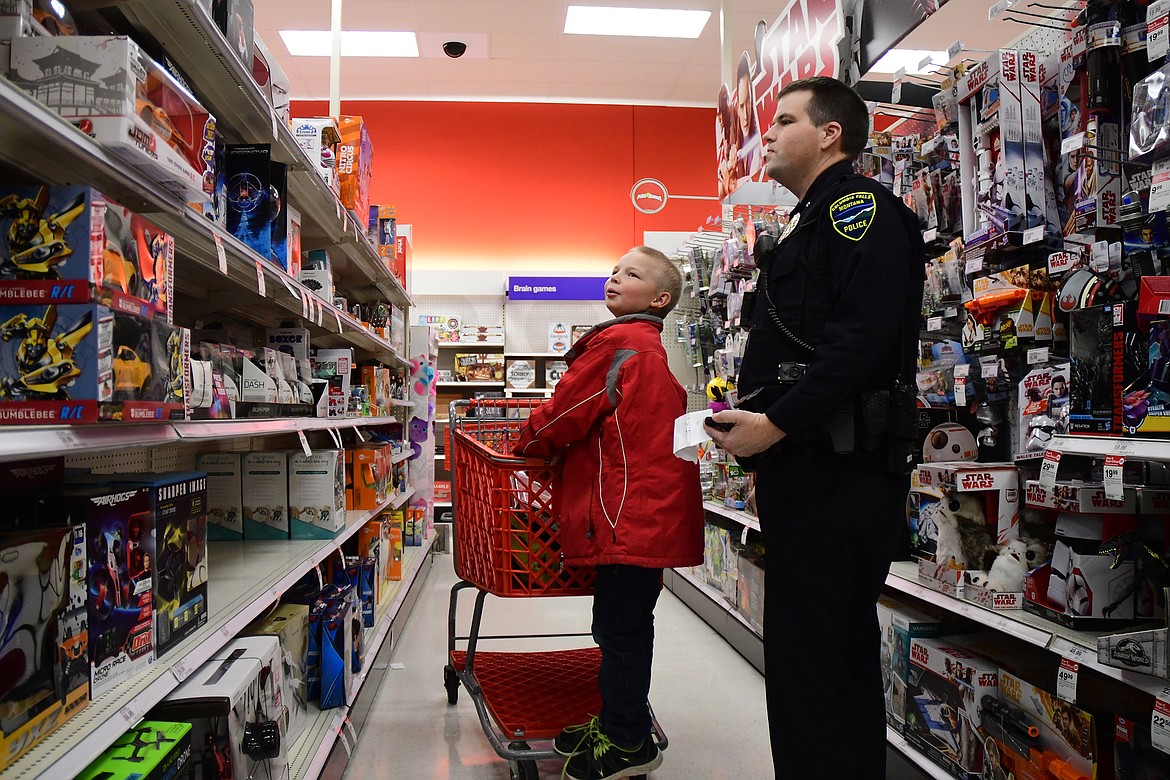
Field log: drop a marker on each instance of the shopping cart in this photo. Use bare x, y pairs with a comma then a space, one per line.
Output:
507, 515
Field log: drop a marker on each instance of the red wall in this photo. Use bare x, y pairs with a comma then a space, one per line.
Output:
537, 186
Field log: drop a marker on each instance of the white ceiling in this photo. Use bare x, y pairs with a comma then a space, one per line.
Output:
530, 59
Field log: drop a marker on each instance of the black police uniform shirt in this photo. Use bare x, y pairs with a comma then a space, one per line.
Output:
847, 279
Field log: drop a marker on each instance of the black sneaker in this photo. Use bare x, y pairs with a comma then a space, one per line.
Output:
576, 739
606, 761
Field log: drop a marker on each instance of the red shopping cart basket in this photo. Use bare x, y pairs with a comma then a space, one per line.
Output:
507, 508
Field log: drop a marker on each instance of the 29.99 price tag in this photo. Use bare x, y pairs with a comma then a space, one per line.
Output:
1160, 721
1114, 466
1066, 680
1048, 469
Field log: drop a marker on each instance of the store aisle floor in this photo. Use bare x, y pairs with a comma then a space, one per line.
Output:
709, 701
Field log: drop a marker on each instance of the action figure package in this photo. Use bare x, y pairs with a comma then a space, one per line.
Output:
225, 503
1134, 755
1041, 409
73, 245
251, 206
316, 494
128, 103
44, 646
1107, 355
1036, 734
1149, 129
1145, 403
265, 495
152, 750
899, 626
170, 358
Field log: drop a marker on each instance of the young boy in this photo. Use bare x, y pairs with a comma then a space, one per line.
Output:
629, 506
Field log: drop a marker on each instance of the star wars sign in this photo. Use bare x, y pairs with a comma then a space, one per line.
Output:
801, 43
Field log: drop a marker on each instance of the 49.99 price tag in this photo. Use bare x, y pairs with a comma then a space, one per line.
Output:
1066, 680
1160, 721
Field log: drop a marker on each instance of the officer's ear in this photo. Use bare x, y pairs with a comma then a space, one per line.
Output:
830, 135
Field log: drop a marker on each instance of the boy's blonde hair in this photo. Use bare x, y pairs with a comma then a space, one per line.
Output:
667, 274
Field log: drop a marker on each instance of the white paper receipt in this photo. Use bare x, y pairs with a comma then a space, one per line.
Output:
689, 433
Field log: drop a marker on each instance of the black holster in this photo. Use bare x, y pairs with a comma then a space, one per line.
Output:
887, 427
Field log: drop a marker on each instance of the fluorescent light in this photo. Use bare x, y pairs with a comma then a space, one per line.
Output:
354, 43
896, 59
58, 8
644, 22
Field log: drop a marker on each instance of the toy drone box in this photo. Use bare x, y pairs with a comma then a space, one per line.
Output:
44, 647
74, 245
234, 18
944, 695
319, 137
251, 207
272, 709
899, 626
225, 503
265, 495
355, 166
116, 94
152, 750
119, 533
316, 494
289, 623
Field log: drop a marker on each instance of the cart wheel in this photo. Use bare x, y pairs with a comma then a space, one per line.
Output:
451, 683
524, 770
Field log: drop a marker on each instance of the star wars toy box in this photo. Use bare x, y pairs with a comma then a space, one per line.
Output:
152, 750
45, 644
289, 624
955, 511
355, 166
265, 495
225, 503
1102, 341
899, 625
77, 363
316, 494
319, 137
1041, 397
65, 244
120, 554
945, 688
124, 100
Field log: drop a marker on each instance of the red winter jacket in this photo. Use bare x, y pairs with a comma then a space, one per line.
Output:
625, 497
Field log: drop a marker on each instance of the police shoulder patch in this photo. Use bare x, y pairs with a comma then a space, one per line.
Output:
852, 214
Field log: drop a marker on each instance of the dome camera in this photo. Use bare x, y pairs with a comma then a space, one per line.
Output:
454, 49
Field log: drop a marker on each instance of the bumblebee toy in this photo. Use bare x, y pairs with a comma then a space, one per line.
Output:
44, 361
36, 242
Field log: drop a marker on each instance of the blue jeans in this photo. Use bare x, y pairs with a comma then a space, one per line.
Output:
623, 627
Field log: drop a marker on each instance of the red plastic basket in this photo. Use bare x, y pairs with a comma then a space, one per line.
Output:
508, 512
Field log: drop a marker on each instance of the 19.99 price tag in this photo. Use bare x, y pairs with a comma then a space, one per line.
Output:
1048, 469
1066, 680
1160, 721
1114, 466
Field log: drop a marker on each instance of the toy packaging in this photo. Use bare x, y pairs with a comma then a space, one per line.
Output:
1145, 402
74, 245
124, 100
335, 366
337, 647
225, 505
355, 165
265, 495
151, 750
251, 210
170, 365
749, 589
1064, 742
289, 624
374, 542
367, 473
293, 341
394, 560
1134, 755
1042, 398
278, 242
479, 367
899, 625
319, 138
234, 20
316, 494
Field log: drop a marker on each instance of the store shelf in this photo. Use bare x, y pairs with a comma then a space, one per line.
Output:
1033, 629
17, 442
469, 384
467, 345
899, 742
401, 498
718, 613
401, 402
221, 429
404, 455
535, 354
246, 578
1100, 446
442, 505
308, 755
738, 515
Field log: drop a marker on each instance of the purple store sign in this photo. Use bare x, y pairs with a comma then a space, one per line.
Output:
557, 288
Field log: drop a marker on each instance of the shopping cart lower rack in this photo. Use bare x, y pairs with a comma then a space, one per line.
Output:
507, 515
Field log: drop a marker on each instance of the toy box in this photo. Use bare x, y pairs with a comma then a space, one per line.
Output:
1104, 364
1145, 402
749, 590
944, 694
119, 533
402, 259
335, 366
272, 80
337, 647
117, 95
152, 750
234, 20
374, 543
355, 166
251, 210
1134, 755
293, 341
265, 495
1037, 734
316, 494
278, 238
479, 367
270, 718
74, 245
1035, 212
45, 644
394, 559
225, 505
1041, 397
385, 234
367, 473
313, 650
289, 624
720, 558
899, 626
1012, 193
170, 365
319, 138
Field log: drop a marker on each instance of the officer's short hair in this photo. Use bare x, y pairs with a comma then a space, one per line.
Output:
835, 101
667, 275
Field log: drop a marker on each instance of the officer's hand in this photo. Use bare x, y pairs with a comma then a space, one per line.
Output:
751, 433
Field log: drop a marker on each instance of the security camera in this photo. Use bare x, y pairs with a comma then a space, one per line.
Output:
454, 49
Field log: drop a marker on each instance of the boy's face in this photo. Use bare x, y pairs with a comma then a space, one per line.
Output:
633, 286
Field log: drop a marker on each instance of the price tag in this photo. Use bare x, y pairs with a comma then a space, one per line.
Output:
1066, 680
344, 221
960, 391
1099, 256
951, 311
896, 90
927, 61
288, 285
68, 438
954, 49
1123, 447
1034, 235
989, 370
929, 235
743, 537
1160, 721
962, 370
260, 279
227, 632
973, 265
304, 305
1157, 29
336, 436
344, 740
304, 443
934, 323
275, 127
129, 714
337, 203
222, 254
1048, 469
320, 312
360, 436
1160, 186
182, 670
1037, 356
997, 9
1072, 143
1114, 466
337, 318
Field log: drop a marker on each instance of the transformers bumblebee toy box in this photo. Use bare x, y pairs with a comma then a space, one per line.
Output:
125, 101
74, 245
75, 363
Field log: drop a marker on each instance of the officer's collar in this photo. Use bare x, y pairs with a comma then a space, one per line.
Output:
828, 178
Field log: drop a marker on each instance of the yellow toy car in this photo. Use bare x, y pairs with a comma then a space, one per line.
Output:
131, 373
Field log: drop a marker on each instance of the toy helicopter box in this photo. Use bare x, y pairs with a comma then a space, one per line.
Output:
251, 206
52, 685
265, 495
316, 494
225, 505
73, 245
152, 750
128, 103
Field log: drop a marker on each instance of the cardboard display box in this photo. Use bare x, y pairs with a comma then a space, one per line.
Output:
316, 494
265, 495
225, 504
289, 624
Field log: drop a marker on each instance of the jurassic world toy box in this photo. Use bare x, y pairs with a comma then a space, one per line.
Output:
78, 363
64, 244
125, 101
152, 750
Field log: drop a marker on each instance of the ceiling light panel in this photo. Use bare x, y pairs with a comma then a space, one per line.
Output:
909, 60
354, 43
641, 22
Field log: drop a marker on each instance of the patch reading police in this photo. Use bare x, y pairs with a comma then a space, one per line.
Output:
853, 214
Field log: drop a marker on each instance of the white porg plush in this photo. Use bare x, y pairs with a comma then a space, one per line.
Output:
963, 539
1007, 572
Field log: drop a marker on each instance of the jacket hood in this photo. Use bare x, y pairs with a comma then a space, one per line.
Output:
583, 342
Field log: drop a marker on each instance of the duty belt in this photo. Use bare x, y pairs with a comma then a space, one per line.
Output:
790, 372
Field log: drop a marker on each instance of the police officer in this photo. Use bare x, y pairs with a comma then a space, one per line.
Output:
834, 323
